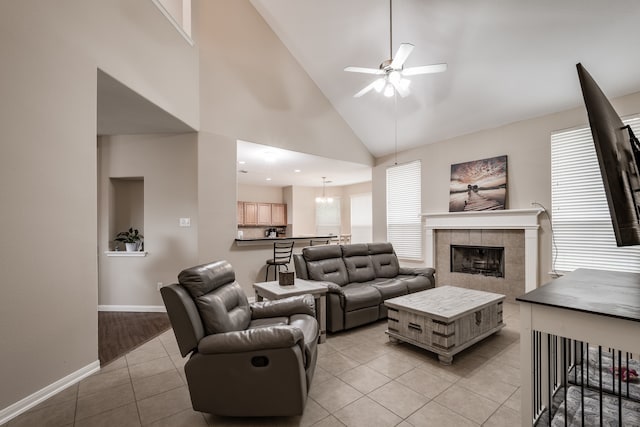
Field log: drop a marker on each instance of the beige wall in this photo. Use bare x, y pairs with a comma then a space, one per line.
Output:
251, 88
527, 145
302, 212
48, 170
260, 193
168, 165
241, 98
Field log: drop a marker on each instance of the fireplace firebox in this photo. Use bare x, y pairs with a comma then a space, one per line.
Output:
485, 260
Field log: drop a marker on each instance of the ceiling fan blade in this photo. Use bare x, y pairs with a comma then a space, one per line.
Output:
366, 89
401, 55
425, 69
364, 70
401, 86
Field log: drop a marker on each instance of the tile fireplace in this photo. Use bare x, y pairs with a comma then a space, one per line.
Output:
515, 231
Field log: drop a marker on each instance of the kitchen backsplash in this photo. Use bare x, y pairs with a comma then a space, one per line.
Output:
261, 232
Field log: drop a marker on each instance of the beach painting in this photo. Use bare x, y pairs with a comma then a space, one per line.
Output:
478, 185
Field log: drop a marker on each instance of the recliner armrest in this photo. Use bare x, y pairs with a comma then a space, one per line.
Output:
252, 340
299, 304
417, 271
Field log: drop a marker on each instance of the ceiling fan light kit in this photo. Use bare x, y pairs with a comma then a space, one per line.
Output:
392, 72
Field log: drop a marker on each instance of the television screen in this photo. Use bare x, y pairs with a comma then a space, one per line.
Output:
618, 156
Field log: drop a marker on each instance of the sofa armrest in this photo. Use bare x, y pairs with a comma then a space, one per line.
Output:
252, 340
332, 288
417, 271
299, 304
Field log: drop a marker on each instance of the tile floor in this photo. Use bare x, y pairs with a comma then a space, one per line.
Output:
361, 380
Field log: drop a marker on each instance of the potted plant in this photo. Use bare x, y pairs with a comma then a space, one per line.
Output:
131, 238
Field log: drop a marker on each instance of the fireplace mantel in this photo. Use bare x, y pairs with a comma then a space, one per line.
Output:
510, 219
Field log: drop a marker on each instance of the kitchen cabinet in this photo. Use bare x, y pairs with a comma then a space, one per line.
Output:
278, 214
264, 213
250, 213
240, 213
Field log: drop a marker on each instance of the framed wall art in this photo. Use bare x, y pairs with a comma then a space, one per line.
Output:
478, 185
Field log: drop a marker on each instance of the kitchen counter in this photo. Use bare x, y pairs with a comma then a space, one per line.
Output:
269, 240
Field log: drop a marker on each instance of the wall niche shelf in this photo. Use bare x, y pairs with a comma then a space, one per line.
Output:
125, 253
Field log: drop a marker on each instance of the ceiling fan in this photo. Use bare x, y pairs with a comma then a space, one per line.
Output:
392, 72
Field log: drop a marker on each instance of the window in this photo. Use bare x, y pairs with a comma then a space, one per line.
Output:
404, 226
581, 222
328, 217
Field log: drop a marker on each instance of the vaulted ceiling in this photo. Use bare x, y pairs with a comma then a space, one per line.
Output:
508, 60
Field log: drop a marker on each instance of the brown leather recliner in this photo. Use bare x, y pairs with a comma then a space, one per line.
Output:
246, 360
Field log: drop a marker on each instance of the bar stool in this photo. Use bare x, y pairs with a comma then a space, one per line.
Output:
281, 257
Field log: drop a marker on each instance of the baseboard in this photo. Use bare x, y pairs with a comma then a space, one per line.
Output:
40, 396
134, 308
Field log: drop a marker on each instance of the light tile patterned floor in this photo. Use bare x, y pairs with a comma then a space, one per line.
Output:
361, 380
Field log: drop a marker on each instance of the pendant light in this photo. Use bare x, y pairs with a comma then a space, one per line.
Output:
324, 198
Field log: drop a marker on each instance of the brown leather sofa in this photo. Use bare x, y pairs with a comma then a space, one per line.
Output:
246, 359
359, 278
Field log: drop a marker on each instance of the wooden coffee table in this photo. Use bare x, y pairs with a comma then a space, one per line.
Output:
444, 320
273, 290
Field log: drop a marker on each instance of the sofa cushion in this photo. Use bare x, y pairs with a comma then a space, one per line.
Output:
384, 259
355, 249
358, 263
328, 270
416, 283
358, 295
380, 248
316, 253
385, 265
391, 288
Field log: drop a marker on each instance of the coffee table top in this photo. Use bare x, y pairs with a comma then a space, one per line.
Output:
445, 303
273, 290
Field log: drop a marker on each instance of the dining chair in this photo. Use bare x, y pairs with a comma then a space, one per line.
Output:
344, 239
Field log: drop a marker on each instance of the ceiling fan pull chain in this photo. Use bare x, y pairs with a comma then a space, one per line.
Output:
390, 30
395, 107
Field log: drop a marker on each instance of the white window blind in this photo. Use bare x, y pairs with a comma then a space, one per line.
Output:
404, 206
583, 232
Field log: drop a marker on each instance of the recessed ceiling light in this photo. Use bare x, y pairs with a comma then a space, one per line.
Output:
242, 162
268, 179
297, 170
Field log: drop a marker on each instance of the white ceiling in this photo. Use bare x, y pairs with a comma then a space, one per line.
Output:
262, 162
508, 60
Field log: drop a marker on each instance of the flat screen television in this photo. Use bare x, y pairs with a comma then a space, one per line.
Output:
618, 153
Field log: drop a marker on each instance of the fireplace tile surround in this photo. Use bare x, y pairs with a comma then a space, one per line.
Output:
515, 229
512, 285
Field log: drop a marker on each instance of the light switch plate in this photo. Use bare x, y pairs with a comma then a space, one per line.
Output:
185, 222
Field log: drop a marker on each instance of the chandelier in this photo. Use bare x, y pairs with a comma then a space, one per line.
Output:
324, 198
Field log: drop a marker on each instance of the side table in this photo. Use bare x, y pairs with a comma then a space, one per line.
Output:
273, 290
